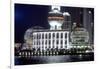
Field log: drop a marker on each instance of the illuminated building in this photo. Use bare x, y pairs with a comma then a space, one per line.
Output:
55, 37
61, 36
67, 21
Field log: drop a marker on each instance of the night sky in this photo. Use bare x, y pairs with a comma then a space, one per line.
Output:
27, 16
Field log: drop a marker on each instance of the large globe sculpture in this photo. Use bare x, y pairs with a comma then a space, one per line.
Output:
28, 36
79, 37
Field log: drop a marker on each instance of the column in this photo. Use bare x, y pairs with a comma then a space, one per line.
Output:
47, 40
59, 44
55, 40
33, 40
51, 40
63, 39
37, 41
41, 41
44, 41
68, 40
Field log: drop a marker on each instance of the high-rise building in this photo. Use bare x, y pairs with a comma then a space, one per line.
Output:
67, 21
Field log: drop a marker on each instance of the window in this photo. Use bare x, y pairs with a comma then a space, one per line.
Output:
42, 36
61, 42
46, 42
49, 42
57, 42
61, 35
53, 34
53, 41
39, 36
49, 35
57, 35
65, 35
65, 41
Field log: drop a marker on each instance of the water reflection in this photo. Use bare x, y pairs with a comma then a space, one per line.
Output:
52, 59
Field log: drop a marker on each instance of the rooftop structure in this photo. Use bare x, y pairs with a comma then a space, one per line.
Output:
55, 18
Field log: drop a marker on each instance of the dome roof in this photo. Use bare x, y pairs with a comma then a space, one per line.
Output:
28, 36
55, 14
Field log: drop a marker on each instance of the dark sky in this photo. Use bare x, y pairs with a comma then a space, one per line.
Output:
27, 16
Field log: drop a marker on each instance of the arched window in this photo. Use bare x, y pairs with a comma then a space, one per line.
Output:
49, 42
61, 42
65, 35
42, 35
65, 41
49, 35
46, 36
46, 42
61, 35
39, 36
53, 34
33, 36
57, 35
57, 42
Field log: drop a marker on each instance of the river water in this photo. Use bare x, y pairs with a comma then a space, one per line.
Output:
52, 59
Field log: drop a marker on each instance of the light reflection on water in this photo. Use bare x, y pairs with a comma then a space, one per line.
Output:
52, 59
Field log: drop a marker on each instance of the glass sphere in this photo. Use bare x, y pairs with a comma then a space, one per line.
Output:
28, 36
80, 36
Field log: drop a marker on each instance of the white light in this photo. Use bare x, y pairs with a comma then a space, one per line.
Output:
90, 12
20, 53
87, 51
82, 46
74, 23
55, 11
78, 46
58, 7
53, 23
34, 33
66, 14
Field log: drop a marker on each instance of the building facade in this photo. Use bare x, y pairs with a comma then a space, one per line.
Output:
62, 38
56, 37
45, 40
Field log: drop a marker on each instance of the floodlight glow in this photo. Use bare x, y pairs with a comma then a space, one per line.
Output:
66, 14
78, 46
53, 23
90, 12
55, 11
58, 7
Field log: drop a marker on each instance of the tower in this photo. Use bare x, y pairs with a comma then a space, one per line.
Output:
67, 21
88, 23
55, 18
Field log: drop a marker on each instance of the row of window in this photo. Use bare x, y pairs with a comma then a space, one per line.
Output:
42, 47
46, 42
48, 35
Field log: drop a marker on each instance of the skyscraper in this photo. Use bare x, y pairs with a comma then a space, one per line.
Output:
67, 21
